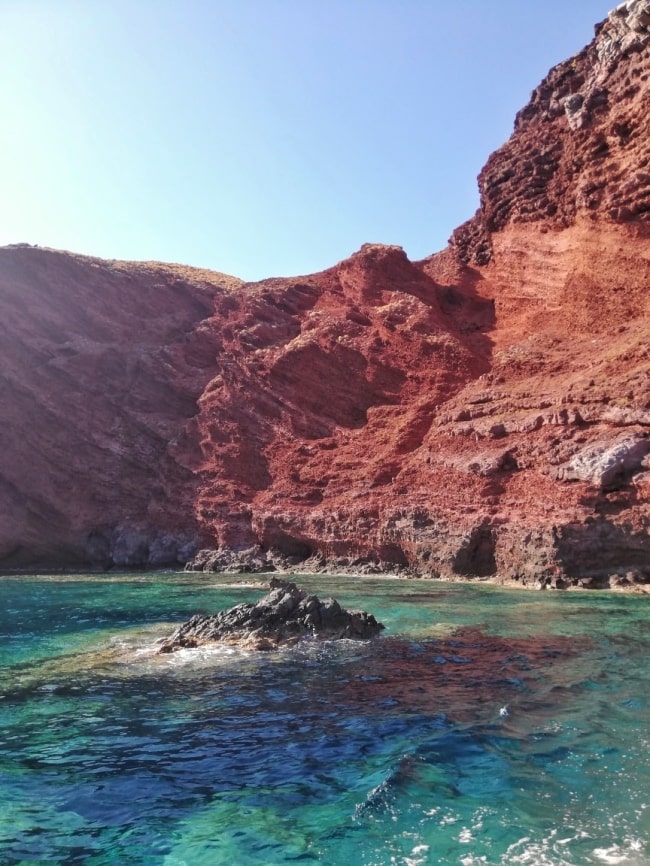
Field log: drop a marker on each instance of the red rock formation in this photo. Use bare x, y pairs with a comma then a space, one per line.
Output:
562, 243
482, 413
101, 364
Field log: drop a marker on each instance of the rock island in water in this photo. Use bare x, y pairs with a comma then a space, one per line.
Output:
284, 616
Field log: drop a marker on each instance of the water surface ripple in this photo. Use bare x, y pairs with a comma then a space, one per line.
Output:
485, 727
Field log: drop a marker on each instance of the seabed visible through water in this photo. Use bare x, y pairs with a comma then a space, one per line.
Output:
486, 726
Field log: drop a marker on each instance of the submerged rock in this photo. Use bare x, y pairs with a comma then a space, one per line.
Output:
284, 616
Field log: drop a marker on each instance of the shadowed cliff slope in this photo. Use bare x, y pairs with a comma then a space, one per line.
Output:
101, 364
485, 412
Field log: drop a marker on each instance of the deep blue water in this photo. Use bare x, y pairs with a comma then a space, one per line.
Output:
391, 752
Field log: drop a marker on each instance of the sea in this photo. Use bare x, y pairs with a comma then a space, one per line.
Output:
485, 726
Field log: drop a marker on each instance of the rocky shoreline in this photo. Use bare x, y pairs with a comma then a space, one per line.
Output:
630, 582
255, 560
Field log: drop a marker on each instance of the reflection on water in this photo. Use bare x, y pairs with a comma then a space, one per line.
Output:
393, 752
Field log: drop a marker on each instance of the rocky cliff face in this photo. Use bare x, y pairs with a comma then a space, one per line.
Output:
101, 364
579, 148
485, 412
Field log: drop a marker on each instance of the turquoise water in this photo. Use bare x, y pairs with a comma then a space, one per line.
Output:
393, 752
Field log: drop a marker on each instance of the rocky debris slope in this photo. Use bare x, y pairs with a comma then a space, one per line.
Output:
483, 413
284, 616
101, 365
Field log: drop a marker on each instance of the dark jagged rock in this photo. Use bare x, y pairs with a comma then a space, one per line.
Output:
284, 616
256, 560
252, 560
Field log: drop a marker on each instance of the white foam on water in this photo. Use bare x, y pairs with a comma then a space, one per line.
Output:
526, 852
243, 584
631, 854
206, 654
547, 852
418, 856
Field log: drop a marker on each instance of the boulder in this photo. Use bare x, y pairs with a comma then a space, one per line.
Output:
607, 465
284, 616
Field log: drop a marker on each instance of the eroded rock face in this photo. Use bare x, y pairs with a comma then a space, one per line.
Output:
483, 413
284, 616
580, 146
101, 365
609, 464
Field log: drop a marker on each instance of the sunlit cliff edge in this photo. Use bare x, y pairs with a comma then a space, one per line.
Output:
482, 413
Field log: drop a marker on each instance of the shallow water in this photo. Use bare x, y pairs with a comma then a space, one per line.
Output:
393, 752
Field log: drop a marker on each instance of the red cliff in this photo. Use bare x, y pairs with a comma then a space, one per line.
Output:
101, 365
485, 412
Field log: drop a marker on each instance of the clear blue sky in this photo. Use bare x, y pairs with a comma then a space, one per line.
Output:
261, 137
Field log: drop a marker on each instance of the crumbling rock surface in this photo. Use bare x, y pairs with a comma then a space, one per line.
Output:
284, 616
579, 148
607, 464
101, 365
483, 413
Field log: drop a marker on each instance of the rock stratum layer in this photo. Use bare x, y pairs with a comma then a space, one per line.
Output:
482, 413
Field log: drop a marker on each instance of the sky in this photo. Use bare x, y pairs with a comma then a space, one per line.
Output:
262, 137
